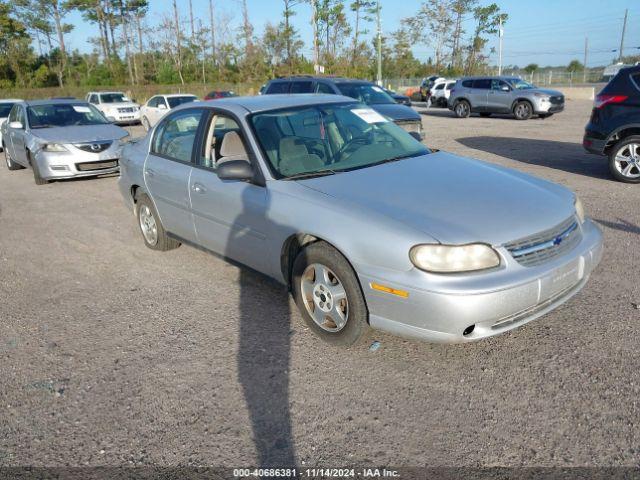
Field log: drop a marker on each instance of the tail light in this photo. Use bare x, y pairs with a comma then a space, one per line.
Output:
603, 99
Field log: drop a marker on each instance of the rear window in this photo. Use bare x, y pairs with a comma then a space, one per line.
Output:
482, 83
278, 87
467, 83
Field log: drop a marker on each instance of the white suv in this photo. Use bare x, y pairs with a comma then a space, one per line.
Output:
116, 106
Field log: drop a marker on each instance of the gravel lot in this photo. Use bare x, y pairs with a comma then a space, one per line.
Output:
112, 354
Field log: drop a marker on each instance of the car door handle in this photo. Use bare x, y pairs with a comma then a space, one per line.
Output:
196, 187
149, 172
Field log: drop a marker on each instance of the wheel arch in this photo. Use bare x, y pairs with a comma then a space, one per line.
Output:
621, 133
522, 99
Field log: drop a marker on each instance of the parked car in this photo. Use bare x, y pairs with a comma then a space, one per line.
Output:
116, 106
487, 95
6, 104
216, 94
441, 93
158, 105
427, 84
398, 97
363, 223
60, 139
363, 91
614, 127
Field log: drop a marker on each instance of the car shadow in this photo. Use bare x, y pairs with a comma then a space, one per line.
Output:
621, 224
566, 156
443, 112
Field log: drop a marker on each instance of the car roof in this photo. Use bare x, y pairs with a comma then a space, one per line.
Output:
318, 78
55, 101
494, 77
171, 95
261, 103
100, 92
11, 100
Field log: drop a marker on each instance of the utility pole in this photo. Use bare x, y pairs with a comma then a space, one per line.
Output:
500, 34
584, 65
379, 76
316, 54
624, 29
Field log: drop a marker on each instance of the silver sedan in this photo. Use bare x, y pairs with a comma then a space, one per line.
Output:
60, 139
364, 224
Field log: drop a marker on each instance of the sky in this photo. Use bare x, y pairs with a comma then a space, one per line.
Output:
546, 32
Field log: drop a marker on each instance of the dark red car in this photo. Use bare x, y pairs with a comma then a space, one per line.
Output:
220, 94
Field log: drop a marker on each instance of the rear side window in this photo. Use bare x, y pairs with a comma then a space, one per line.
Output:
278, 87
176, 135
467, 84
302, 87
482, 83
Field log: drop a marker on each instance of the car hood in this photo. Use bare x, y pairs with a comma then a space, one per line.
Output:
454, 199
79, 133
547, 91
396, 112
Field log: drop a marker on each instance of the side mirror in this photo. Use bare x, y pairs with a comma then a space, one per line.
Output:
16, 125
162, 106
235, 170
505, 88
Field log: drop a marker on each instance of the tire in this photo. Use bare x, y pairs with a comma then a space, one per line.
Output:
624, 156
523, 110
462, 109
485, 114
153, 233
11, 165
145, 124
351, 324
36, 172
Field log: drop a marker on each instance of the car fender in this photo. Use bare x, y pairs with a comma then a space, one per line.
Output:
522, 99
617, 130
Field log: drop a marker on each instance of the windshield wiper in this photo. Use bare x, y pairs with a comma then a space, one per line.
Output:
319, 173
44, 125
400, 157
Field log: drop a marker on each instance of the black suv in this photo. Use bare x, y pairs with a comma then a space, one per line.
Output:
614, 127
365, 92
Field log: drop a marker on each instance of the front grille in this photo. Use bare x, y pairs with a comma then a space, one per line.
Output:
95, 147
89, 166
126, 110
544, 246
557, 100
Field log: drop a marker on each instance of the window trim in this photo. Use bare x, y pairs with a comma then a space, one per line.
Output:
167, 119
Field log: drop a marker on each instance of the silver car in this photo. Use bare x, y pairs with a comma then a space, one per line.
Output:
364, 224
487, 95
60, 139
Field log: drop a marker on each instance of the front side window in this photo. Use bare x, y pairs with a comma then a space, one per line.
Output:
13, 114
113, 98
175, 136
520, 84
440, 86
175, 101
328, 139
324, 88
365, 93
64, 115
153, 103
499, 84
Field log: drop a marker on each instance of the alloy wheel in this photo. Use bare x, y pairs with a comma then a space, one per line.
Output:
627, 160
523, 110
324, 297
148, 225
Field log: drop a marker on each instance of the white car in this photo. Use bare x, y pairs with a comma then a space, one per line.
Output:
116, 106
157, 106
441, 93
6, 104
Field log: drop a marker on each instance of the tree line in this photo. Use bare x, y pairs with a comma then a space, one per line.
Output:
183, 47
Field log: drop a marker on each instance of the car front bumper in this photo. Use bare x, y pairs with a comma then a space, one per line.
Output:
541, 106
78, 163
440, 308
124, 118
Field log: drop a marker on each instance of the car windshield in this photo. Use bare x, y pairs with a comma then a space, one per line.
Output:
324, 139
64, 115
5, 108
113, 98
520, 84
175, 101
365, 93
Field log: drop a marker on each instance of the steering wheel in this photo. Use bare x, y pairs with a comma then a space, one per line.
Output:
348, 147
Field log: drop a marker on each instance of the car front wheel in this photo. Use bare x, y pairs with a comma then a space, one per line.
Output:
523, 110
328, 294
153, 233
624, 160
462, 109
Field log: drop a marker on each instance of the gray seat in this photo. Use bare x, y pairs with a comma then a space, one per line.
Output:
232, 148
295, 158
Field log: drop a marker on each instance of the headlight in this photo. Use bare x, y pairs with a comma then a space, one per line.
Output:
454, 258
543, 96
579, 209
54, 147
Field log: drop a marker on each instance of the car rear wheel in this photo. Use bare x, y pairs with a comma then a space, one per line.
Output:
624, 160
11, 165
462, 109
153, 233
328, 294
523, 110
